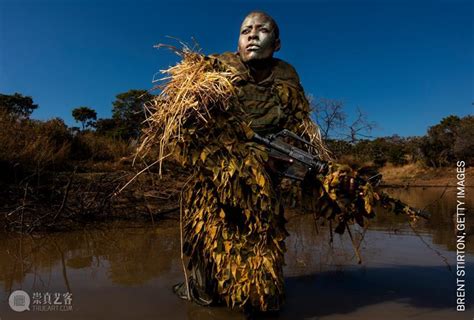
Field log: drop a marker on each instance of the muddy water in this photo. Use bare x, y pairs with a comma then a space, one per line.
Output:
125, 271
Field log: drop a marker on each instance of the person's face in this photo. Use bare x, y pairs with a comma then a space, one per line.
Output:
257, 38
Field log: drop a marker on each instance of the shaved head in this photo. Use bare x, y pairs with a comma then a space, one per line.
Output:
276, 30
259, 37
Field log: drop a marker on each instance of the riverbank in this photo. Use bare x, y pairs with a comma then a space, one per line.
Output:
67, 200
57, 201
414, 175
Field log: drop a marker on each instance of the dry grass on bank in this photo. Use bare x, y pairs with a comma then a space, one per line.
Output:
32, 145
418, 175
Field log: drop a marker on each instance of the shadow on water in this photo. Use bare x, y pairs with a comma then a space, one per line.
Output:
120, 271
331, 292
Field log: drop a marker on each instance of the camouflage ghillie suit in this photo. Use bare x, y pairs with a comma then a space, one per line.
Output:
207, 116
233, 219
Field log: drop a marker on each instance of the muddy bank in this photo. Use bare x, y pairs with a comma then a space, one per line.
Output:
54, 201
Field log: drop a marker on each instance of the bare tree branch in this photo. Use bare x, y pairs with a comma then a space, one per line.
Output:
360, 127
330, 115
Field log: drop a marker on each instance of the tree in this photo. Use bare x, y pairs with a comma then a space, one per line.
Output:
330, 116
464, 145
128, 112
360, 127
412, 148
438, 145
332, 121
83, 114
339, 148
17, 105
106, 127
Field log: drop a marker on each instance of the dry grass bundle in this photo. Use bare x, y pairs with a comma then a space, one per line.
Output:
188, 91
314, 134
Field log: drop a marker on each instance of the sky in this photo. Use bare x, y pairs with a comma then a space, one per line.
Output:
405, 64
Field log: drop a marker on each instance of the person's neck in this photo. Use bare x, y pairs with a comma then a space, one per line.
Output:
260, 69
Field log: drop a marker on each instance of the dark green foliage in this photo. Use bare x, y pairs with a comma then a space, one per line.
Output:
381, 150
84, 115
412, 149
445, 143
128, 114
106, 127
17, 105
339, 148
450, 140
464, 145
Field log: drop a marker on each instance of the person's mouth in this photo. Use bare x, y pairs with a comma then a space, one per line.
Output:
252, 47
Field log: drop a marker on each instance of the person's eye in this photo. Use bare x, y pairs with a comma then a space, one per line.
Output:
264, 30
245, 31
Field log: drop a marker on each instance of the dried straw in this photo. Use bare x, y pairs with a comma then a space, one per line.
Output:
188, 90
311, 130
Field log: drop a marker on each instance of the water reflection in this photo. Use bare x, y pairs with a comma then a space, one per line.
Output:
441, 203
132, 256
122, 270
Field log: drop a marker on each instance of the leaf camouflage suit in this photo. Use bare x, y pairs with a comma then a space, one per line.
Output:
232, 216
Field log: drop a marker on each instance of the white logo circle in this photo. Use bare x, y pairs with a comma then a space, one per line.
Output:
19, 301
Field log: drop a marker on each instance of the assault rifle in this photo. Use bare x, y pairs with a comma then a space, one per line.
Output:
302, 162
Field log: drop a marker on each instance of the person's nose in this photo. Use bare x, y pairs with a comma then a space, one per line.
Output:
253, 35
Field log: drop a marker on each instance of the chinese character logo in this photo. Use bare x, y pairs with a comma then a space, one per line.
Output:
19, 301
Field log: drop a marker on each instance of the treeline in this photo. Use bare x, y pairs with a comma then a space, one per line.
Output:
127, 116
27, 144
444, 143
53, 176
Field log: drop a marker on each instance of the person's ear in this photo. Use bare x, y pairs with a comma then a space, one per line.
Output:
277, 45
